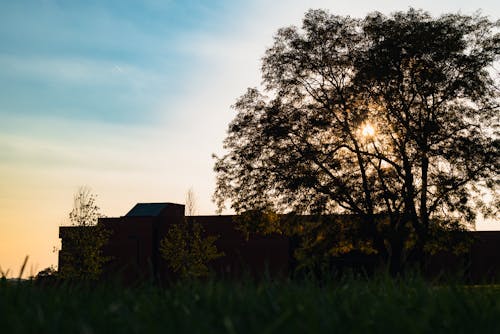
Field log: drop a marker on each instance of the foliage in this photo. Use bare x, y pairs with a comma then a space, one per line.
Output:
264, 221
186, 247
46, 273
323, 238
449, 236
82, 255
387, 115
188, 251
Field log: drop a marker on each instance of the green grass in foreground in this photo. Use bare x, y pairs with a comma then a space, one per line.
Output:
350, 306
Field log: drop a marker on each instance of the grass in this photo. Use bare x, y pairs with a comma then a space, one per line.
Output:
380, 305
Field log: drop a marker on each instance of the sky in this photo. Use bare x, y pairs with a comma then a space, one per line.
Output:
130, 98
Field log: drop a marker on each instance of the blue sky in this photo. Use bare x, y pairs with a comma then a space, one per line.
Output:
130, 98
71, 57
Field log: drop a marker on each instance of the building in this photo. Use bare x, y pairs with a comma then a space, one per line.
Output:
135, 239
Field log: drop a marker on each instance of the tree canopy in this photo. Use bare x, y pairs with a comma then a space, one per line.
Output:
394, 115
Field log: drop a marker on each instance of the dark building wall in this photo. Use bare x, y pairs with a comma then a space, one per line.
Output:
135, 239
66, 244
129, 246
485, 257
134, 249
480, 265
134, 242
255, 255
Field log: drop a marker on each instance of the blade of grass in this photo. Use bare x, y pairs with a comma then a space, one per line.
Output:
23, 267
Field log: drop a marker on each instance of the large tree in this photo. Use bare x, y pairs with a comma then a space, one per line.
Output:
394, 115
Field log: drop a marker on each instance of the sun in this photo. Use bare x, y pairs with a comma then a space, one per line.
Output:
367, 130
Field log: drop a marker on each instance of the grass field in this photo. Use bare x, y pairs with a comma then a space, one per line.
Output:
349, 306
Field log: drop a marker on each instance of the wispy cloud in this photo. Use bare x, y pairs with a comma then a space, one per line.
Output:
81, 88
77, 71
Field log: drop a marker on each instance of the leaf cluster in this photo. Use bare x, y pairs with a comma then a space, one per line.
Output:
188, 250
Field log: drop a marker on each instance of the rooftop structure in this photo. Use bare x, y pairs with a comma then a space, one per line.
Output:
149, 209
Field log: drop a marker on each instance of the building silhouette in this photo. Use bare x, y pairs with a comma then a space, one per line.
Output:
134, 243
133, 246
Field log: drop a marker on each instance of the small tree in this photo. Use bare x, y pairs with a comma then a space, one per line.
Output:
190, 202
47, 274
82, 254
186, 248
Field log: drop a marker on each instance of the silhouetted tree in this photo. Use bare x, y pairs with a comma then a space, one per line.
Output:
190, 203
48, 275
83, 256
186, 248
388, 116
49, 271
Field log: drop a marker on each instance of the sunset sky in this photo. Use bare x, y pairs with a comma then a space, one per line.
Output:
130, 98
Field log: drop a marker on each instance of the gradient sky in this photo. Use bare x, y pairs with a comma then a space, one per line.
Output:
130, 98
